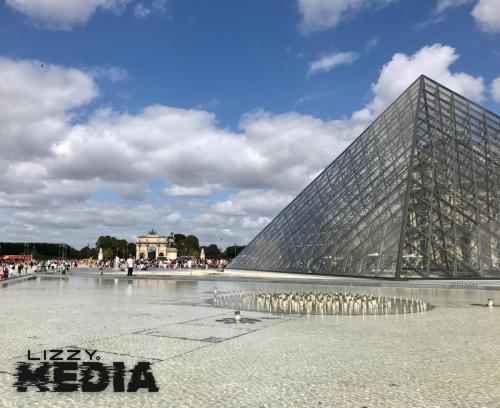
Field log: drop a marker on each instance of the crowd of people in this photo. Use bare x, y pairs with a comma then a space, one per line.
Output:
148, 264
181, 263
16, 268
11, 269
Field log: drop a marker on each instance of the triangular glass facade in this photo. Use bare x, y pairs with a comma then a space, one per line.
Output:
415, 195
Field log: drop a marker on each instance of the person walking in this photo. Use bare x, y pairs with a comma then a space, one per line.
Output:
130, 266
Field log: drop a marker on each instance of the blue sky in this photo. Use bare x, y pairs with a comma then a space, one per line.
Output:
207, 117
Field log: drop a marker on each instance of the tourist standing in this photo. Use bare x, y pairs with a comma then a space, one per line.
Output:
130, 266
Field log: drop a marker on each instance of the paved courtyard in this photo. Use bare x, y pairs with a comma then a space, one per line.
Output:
446, 357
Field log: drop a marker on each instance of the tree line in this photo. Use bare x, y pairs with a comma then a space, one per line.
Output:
39, 250
111, 247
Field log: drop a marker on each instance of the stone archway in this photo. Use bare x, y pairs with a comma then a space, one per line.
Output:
161, 243
152, 252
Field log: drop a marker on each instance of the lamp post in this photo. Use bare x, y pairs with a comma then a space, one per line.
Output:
235, 249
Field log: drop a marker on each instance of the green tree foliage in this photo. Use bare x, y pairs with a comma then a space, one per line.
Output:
233, 251
179, 244
112, 246
131, 249
212, 252
87, 252
191, 246
39, 250
187, 245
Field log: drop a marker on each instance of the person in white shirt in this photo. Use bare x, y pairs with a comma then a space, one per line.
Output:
130, 266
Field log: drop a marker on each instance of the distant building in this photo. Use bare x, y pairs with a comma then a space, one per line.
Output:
161, 245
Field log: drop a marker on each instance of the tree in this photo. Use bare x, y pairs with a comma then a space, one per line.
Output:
121, 248
178, 239
179, 243
40, 250
107, 253
233, 251
105, 242
131, 249
191, 246
212, 252
112, 246
87, 251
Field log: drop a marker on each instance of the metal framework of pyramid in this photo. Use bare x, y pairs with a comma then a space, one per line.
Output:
416, 195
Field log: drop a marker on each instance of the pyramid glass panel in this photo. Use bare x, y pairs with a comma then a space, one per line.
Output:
452, 224
415, 195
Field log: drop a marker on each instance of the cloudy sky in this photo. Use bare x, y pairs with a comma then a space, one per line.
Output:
207, 117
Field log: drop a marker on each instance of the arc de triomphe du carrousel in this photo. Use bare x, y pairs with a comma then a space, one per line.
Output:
164, 246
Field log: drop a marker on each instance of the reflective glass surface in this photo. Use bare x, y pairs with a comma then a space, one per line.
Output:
415, 195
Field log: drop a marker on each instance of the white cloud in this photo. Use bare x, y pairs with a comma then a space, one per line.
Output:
141, 11
53, 164
495, 89
36, 104
132, 191
210, 105
160, 6
320, 15
111, 73
443, 5
117, 147
54, 168
371, 43
433, 61
312, 97
328, 62
192, 191
249, 202
487, 15
438, 14
63, 14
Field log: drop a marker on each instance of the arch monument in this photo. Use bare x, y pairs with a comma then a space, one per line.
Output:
164, 246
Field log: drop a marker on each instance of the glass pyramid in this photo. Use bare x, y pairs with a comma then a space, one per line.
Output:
416, 195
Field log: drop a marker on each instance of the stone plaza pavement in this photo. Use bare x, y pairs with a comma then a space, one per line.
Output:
446, 357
